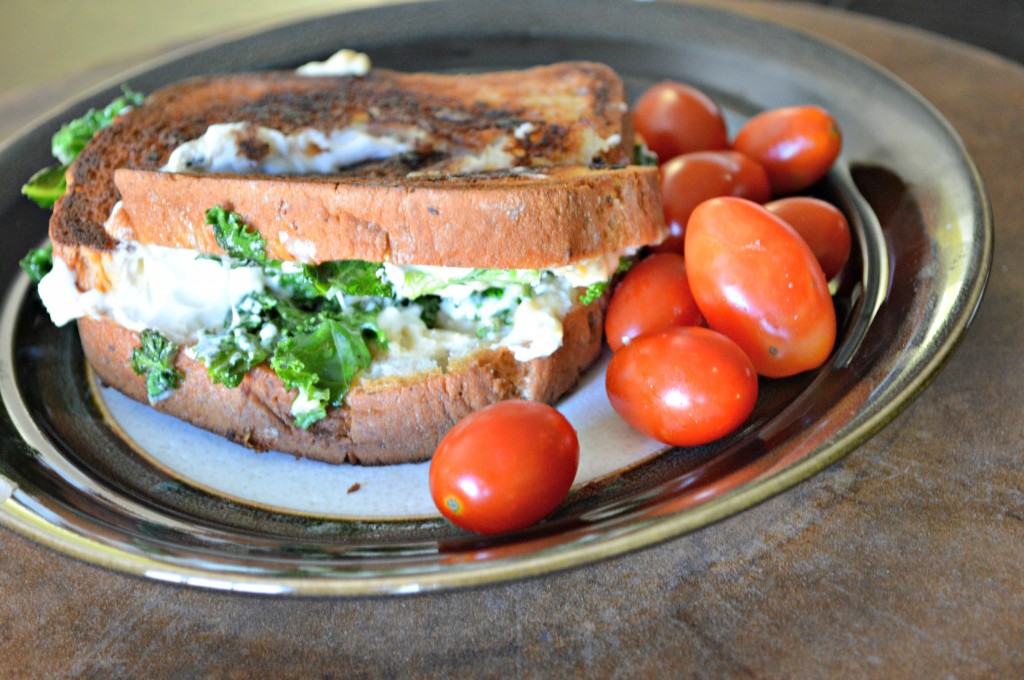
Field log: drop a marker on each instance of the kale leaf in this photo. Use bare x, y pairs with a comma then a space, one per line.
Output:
314, 347
38, 262
596, 290
154, 358
49, 184
419, 283
244, 342
309, 282
293, 280
235, 353
349, 277
239, 240
429, 305
74, 135
320, 362
642, 155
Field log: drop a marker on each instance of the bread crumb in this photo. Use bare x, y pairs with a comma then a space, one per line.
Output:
355, 487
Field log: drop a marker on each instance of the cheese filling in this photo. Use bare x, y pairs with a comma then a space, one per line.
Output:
183, 295
167, 289
223, 148
341, 63
233, 315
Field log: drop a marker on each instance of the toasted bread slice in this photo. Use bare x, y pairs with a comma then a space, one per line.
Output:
534, 220
383, 421
572, 113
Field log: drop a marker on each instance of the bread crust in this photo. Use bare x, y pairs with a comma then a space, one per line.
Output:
514, 221
567, 104
383, 421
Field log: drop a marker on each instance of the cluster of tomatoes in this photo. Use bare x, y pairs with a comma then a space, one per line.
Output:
740, 287
738, 290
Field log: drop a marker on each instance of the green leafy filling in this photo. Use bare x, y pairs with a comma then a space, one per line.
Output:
154, 358
430, 306
49, 184
240, 241
315, 348
642, 155
320, 362
46, 186
347, 277
314, 328
73, 136
595, 290
419, 283
231, 352
38, 262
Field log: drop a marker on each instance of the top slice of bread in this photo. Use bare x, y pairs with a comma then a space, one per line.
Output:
536, 220
571, 113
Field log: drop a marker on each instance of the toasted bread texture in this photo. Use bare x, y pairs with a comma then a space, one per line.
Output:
535, 220
384, 421
571, 113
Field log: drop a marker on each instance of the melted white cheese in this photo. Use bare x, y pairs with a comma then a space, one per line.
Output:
301, 249
341, 63
179, 293
304, 152
169, 289
594, 269
537, 326
463, 326
412, 347
309, 151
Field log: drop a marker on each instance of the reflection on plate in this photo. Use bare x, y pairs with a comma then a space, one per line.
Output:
279, 482
70, 480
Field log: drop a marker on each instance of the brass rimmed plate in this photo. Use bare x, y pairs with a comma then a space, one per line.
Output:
924, 242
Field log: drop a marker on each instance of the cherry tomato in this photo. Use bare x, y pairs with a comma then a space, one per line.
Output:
796, 145
504, 467
822, 225
757, 282
682, 386
654, 295
674, 118
690, 179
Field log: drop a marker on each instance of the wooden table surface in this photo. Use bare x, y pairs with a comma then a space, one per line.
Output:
905, 559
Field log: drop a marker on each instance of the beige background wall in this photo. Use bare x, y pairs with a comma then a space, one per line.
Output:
44, 40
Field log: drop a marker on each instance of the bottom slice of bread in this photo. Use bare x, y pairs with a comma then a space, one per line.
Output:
387, 421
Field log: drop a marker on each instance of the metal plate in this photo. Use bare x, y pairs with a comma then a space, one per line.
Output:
923, 249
